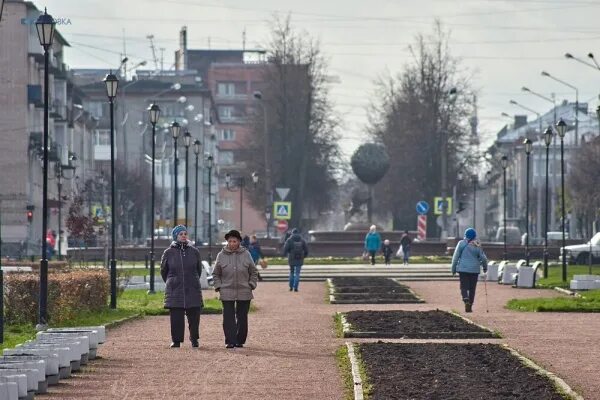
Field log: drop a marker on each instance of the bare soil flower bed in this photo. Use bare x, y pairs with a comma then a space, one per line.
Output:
450, 371
412, 324
370, 290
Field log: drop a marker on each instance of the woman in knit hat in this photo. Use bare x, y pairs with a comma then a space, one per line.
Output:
468, 260
235, 278
180, 268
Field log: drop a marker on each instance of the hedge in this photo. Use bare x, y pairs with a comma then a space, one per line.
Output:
68, 293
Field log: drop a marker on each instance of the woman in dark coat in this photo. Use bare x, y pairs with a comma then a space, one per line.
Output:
180, 268
235, 278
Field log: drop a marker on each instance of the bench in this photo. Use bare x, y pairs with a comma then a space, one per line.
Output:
526, 275
585, 282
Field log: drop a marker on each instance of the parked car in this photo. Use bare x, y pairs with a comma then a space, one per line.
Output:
513, 235
580, 253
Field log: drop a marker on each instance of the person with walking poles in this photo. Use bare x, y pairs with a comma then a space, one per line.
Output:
235, 277
296, 250
180, 268
256, 253
468, 260
372, 243
405, 243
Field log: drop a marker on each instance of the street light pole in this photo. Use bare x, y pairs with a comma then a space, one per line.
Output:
548, 135
112, 84
209, 166
187, 141
175, 130
197, 149
154, 111
60, 174
504, 164
561, 128
258, 96
474, 177
528, 147
546, 74
45, 29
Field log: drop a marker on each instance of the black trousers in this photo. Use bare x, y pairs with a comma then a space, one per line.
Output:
468, 284
372, 253
235, 321
178, 323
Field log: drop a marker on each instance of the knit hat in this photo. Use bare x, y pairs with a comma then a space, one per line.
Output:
233, 233
470, 234
177, 230
295, 230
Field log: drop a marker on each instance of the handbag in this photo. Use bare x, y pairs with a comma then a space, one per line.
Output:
400, 252
263, 263
365, 256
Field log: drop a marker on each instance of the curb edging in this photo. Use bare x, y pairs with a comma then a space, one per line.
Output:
114, 324
567, 291
358, 388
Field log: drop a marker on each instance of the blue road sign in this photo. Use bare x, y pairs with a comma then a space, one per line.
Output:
422, 207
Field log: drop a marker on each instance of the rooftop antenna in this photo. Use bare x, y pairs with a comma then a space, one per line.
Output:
162, 58
244, 39
151, 38
124, 55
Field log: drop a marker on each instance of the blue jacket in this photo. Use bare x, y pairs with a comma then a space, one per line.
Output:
468, 257
372, 241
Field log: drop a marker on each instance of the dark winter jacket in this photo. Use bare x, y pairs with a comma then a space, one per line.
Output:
255, 252
387, 251
405, 242
180, 268
235, 275
295, 257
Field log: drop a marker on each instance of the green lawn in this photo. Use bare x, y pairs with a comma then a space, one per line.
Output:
130, 303
588, 302
555, 275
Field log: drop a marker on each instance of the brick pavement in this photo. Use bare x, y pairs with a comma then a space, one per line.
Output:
290, 350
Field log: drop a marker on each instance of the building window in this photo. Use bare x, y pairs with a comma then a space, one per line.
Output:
226, 157
226, 89
226, 112
227, 135
95, 108
226, 203
102, 138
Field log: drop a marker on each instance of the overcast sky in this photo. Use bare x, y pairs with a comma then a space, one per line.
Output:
507, 43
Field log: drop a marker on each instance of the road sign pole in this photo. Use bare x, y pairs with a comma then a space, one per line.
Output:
422, 227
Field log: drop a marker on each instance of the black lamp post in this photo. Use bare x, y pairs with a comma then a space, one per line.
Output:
528, 147
154, 112
45, 30
187, 141
241, 184
561, 128
548, 135
175, 130
112, 83
504, 165
62, 171
1, 8
209, 166
474, 178
197, 149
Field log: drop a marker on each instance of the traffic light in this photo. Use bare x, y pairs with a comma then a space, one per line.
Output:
29, 215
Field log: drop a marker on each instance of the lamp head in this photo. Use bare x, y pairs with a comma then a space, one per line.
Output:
112, 84
568, 55
197, 146
525, 89
504, 162
512, 102
591, 55
561, 128
548, 134
257, 95
187, 139
598, 112
154, 111
228, 179
528, 146
175, 129
210, 161
45, 29
255, 177
544, 73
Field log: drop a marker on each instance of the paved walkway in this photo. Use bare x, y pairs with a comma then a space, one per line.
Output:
290, 350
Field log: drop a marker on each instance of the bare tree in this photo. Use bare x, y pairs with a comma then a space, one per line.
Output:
584, 182
301, 149
412, 111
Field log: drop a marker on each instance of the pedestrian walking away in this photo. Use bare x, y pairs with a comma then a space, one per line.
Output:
372, 243
387, 251
255, 253
180, 268
235, 277
296, 250
468, 260
405, 243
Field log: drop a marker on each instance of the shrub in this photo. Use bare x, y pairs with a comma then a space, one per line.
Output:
68, 293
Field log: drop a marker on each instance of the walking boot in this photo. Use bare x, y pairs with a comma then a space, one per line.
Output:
174, 345
195, 343
468, 307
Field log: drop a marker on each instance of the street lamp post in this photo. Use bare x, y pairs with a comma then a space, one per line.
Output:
112, 83
175, 130
561, 128
154, 112
197, 149
474, 178
548, 136
504, 165
67, 172
45, 29
1, 8
546, 74
187, 142
258, 96
209, 166
528, 147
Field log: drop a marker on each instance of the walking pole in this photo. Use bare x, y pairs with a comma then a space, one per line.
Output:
487, 310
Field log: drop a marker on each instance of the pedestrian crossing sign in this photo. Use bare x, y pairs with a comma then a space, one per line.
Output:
282, 209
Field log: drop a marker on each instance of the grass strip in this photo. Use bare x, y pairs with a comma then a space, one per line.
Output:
588, 302
343, 363
555, 275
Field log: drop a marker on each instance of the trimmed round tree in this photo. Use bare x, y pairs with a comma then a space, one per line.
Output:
370, 162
